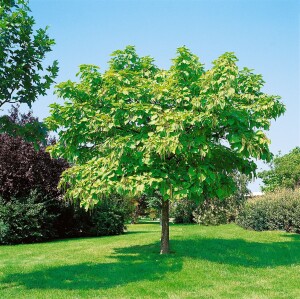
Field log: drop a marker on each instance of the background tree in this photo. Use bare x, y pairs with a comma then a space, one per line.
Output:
25, 125
284, 172
23, 169
137, 128
24, 164
140, 208
22, 51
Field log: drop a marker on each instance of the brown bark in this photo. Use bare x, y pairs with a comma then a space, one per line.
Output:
164, 245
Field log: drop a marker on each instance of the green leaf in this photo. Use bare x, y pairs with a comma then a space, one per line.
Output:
191, 172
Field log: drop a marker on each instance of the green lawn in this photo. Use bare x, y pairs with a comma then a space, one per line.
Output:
208, 262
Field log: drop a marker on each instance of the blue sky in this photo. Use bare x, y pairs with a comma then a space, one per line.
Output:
263, 34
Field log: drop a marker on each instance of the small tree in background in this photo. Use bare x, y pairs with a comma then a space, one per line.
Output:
23, 169
24, 164
183, 131
284, 172
140, 208
22, 51
26, 126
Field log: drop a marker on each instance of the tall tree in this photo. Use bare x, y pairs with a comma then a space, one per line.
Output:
284, 172
22, 51
137, 128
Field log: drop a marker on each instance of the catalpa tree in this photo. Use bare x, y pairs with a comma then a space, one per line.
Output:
138, 129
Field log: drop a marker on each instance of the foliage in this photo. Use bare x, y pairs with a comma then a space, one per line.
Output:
137, 128
25, 220
22, 51
23, 169
213, 211
147, 205
140, 208
154, 205
209, 212
284, 172
109, 217
36, 218
182, 211
279, 210
31, 206
26, 126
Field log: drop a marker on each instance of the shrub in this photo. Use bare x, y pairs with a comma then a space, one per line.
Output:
147, 205
139, 208
108, 217
215, 211
182, 211
278, 210
25, 220
208, 212
154, 205
31, 209
37, 218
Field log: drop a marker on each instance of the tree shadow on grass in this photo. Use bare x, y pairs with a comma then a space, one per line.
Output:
127, 265
142, 262
295, 237
239, 252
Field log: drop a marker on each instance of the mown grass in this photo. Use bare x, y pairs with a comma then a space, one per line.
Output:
208, 262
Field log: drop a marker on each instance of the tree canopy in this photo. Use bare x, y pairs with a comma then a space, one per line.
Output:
284, 172
22, 51
25, 125
182, 131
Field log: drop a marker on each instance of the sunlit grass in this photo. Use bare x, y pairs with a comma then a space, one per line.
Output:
207, 262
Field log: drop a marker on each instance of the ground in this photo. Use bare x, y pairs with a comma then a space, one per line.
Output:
207, 262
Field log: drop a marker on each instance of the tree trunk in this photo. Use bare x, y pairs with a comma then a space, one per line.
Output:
164, 245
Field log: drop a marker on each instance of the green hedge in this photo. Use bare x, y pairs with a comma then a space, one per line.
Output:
37, 218
25, 220
279, 210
